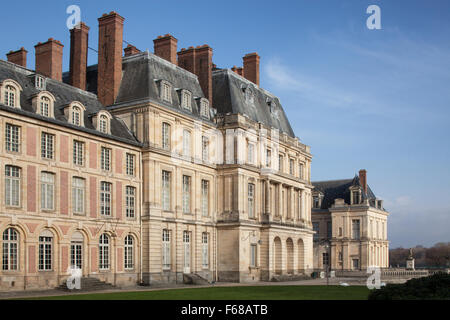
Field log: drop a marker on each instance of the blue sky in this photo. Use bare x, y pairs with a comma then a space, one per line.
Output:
373, 99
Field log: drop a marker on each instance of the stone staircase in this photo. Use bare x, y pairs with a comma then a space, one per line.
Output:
88, 284
193, 278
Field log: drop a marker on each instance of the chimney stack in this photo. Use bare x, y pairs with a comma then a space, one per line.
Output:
18, 57
49, 59
110, 46
363, 179
166, 48
79, 37
131, 50
251, 67
199, 61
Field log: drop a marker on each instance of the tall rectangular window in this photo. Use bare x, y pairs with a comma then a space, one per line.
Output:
205, 198
253, 255
45, 253
47, 191
250, 152
12, 186
78, 192
130, 201
186, 143
291, 167
12, 136
268, 156
105, 198
251, 200
325, 259
130, 164
300, 171
166, 249
205, 149
280, 163
355, 229
78, 152
166, 136
186, 194
316, 229
356, 199
205, 251
105, 159
47, 145
166, 190
329, 229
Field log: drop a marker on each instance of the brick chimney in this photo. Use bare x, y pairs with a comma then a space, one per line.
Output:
239, 71
186, 59
203, 64
49, 59
18, 57
363, 179
166, 48
79, 38
131, 50
251, 67
110, 39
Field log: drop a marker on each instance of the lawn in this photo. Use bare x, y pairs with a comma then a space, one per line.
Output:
233, 293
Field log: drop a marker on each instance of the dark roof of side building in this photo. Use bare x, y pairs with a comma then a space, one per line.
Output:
335, 189
229, 96
64, 95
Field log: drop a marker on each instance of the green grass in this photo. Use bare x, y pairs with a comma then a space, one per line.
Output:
232, 293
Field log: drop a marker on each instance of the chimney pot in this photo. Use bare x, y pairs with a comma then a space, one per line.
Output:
131, 50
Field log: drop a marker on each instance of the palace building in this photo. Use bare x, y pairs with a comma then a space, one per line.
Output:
147, 168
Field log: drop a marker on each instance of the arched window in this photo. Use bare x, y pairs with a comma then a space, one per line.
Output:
76, 116
10, 249
45, 251
129, 246
45, 106
103, 124
104, 252
10, 96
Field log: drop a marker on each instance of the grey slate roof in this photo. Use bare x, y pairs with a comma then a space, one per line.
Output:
229, 96
334, 189
64, 94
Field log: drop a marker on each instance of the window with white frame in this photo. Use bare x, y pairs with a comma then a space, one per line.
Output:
186, 143
291, 167
166, 176
39, 82
78, 195
78, 153
166, 91
130, 201
204, 108
10, 96
300, 171
129, 246
10, 250
356, 197
45, 251
205, 149
12, 138
105, 198
251, 200
280, 163
205, 250
104, 252
130, 164
47, 191
166, 249
186, 100
12, 186
44, 106
76, 116
186, 194
250, 153
253, 255
105, 159
47, 145
103, 124
165, 136
205, 198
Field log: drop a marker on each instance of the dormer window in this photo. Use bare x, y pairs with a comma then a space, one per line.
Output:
103, 122
39, 82
76, 116
204, 108
316, 202
186, 100
74, 113
11, 93
166, 91
355, 196
43, 104
249, 96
